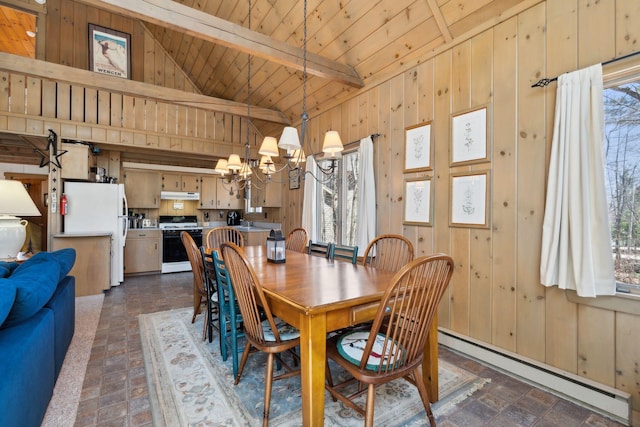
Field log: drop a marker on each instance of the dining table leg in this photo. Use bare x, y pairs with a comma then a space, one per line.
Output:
313, 344
430, 362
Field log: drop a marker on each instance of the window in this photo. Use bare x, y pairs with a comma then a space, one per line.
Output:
622, 153
338, 199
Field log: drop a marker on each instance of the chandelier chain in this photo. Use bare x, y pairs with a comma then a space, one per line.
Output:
304, 62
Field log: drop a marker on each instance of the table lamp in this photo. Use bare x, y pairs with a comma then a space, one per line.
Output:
14, 201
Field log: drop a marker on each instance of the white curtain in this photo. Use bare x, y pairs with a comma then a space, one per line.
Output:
366, 196
309, 218
576, 238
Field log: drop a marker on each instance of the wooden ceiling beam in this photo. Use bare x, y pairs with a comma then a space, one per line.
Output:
176, 16
48, 70
440, 21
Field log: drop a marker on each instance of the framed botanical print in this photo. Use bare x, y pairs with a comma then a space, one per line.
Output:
109, 52
470, 200
417, 147
469, 137
294, 179
417, 201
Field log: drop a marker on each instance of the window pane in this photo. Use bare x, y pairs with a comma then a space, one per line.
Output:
328, 213
350, 186
338, 198
622, 151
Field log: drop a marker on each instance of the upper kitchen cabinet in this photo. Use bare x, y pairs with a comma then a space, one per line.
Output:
75, 162
142, 188
208, 192
267, 195
229, 197
178, 182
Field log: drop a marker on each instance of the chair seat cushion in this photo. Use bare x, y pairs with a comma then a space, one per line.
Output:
285, 330
351, 346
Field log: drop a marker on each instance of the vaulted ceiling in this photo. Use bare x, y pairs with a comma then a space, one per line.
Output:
352, 45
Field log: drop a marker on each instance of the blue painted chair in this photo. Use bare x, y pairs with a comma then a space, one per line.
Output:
230, 317
343, 252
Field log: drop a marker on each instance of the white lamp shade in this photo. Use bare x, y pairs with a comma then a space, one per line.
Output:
332, 142
267, 165
298, 156
269, 147
289, 140
221, 167
245, 170
15, 200
234, 162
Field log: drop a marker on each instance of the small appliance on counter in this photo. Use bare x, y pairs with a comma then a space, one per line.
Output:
233, 218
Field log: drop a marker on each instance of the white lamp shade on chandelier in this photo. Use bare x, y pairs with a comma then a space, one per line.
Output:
289, 140
14, 201
234, 163
221, 167
332, 142
269, 147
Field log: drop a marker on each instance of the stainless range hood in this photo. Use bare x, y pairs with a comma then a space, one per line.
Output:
179, 195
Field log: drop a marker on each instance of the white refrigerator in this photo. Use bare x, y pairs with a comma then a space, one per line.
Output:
99, 208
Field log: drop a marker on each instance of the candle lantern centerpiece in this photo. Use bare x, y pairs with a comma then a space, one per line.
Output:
276, 248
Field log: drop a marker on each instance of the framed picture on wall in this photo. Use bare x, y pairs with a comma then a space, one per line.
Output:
294, 179
469, 137
417, 201
470, 200
109, 52
417, 147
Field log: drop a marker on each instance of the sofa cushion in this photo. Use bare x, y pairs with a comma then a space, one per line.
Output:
7, 297
65, 258
35, 281
6, 268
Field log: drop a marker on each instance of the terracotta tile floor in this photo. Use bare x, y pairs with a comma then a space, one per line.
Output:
115, 393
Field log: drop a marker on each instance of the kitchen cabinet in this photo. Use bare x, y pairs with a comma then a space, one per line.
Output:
269, 195
228, 199
142, 188
208, 192
255, 238
75, 162
143, 251
178, 182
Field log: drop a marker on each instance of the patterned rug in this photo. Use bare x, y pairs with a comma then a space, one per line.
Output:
190, 385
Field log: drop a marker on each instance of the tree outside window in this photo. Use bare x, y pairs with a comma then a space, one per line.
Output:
622, 153
337, 213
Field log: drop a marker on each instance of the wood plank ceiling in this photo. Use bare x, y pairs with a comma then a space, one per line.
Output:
375, 39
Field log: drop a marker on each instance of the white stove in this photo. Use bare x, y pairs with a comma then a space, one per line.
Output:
174, 255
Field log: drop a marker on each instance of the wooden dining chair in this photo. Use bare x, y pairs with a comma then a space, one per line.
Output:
264, 335
211, 289
219, 235
321, 249
199, 291
343, 252
388, 252
394, 346
231, 329
297, 240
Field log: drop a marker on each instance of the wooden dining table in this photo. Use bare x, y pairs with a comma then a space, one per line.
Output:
318, 295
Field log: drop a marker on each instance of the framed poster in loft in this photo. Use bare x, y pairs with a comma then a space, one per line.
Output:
109, 52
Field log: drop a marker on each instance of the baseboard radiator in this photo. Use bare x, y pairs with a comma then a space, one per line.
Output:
605, 400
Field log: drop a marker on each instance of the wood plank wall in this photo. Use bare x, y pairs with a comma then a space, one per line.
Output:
495, 295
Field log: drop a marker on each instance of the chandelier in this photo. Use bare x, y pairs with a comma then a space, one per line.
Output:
239, 171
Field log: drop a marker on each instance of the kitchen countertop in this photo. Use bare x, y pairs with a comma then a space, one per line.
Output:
97, 234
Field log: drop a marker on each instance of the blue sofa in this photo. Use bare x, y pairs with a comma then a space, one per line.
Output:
37, 320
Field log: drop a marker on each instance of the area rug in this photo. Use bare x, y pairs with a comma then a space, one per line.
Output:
63, 406
190, 385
